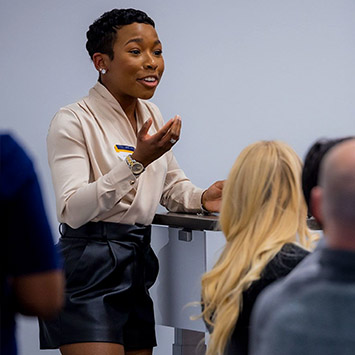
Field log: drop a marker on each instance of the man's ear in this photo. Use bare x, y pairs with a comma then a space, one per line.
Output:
99, 61
316, 204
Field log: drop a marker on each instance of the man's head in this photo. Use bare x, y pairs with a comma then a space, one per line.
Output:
312, 163
333, 200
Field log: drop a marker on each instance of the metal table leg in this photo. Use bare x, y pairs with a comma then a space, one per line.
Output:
189, 342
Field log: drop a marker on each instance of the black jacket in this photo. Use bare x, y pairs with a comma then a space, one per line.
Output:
284, 261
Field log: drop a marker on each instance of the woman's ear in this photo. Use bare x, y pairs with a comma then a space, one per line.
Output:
316, 204
99, 61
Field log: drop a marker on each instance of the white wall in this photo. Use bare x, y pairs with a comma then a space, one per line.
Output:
236, 71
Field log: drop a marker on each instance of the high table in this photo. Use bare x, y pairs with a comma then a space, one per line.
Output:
186, 245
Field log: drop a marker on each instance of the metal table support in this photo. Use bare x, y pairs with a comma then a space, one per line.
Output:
181, 249
189, 342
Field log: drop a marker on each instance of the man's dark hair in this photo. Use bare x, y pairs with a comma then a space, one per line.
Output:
102, 34
312, 163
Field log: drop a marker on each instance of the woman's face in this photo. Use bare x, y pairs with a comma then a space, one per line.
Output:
138, 63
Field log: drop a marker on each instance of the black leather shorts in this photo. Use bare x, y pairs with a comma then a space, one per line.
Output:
109, 269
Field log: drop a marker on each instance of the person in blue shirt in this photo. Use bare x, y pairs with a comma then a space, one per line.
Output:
31, 277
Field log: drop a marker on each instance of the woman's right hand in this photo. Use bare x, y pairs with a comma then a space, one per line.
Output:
149, 148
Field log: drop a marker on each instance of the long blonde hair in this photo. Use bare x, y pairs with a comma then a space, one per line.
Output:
263, 208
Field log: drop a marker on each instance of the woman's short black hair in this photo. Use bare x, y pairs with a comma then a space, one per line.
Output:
312, 163
101, 35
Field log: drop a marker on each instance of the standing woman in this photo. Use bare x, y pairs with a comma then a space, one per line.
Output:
263, 218
111, 163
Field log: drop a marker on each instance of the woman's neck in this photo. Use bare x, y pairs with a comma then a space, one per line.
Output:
128, 105
130, 111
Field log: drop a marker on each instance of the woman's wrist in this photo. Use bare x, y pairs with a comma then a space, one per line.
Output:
204, 210
139, 159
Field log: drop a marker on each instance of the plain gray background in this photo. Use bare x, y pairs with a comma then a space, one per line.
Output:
237, 71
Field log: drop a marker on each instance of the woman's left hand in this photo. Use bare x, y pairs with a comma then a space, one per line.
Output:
212, 197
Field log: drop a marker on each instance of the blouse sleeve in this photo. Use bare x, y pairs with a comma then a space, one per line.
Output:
79, 199
179, 194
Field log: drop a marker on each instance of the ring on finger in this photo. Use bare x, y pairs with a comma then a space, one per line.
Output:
173, 141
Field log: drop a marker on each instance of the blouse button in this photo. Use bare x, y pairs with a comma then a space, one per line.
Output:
132, 182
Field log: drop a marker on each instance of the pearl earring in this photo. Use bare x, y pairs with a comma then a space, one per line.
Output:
103, 71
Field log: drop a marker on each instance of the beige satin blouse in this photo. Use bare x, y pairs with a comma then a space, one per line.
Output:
92, 183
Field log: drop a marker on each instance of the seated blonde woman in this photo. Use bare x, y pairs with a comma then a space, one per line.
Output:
263, 218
